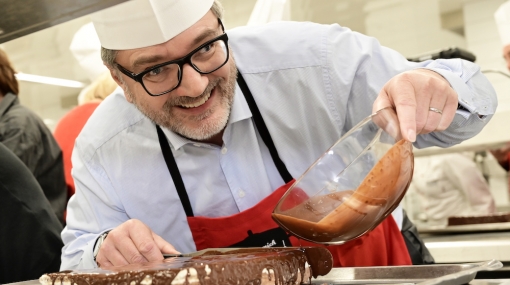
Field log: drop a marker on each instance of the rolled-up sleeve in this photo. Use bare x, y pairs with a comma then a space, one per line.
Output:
475, 94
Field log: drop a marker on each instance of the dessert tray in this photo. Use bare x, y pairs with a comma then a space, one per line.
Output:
436, 274
489, 227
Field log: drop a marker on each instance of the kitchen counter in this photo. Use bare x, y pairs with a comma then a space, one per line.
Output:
472, 247
469, 247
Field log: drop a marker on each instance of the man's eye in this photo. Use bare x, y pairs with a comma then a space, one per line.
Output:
155, 71
207, 48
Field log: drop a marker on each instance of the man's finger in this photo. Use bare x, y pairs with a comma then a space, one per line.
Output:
104, 263
130, 252
405, 106
116, 258
431, 123
449, 110
163, 245
144, 242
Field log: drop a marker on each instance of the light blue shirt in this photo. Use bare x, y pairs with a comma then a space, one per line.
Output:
311, 83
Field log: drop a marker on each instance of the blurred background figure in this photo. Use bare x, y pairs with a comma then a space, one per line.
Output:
86, 49
25, 134
502, 155
30, 243
70, 126
502, 18
447, 185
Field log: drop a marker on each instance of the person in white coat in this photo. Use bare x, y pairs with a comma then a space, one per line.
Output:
447, 185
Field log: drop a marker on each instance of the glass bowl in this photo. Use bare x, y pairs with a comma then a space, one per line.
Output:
353, 186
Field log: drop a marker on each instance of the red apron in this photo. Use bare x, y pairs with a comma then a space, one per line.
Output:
381, 247
255, 228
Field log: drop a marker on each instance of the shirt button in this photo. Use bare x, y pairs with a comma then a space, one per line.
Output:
224, 150
241, 193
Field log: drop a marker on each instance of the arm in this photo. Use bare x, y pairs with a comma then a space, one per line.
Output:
412, 93
94, 209
385, 77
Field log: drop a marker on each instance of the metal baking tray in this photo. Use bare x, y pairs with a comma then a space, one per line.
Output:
436, 274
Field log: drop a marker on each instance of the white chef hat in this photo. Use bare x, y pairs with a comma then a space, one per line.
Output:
86, 48
502, 17
142, 23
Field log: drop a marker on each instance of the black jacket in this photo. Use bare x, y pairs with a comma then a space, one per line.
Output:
25, 134
30, 242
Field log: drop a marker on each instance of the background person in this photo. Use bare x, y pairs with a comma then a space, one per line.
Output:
86, 49
25, 134
30, 243
447, 185
189, 157
70, 125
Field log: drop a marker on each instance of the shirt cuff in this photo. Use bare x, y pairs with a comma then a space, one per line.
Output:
88, 254
464, 94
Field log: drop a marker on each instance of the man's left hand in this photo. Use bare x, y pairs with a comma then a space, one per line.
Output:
424, 102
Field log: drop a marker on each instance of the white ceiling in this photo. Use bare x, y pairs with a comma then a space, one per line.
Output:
47, 52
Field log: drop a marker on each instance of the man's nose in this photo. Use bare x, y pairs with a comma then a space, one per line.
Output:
192, 82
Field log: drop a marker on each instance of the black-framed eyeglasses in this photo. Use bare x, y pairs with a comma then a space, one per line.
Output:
165, 77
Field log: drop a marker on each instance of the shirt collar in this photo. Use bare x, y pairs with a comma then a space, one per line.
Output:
6, 103
240, 111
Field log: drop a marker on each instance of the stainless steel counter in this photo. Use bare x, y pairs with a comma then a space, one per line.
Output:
473, 247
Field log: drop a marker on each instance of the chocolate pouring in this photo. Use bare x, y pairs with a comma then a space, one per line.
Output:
343, 216
259, 266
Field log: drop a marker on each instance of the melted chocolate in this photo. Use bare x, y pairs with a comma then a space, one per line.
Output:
243, 266
345, 215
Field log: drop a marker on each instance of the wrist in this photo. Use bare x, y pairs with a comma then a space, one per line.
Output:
99, 241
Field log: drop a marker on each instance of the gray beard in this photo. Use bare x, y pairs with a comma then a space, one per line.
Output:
206, 130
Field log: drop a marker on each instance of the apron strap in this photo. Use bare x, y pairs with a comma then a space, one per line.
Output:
262, 128
174, 172
264, 134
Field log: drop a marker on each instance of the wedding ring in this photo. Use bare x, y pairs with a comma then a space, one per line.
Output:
436, 110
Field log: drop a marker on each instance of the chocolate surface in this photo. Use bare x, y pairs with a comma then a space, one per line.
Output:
243, 266
496, 218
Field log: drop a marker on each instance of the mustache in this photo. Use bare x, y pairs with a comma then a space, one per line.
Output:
183, 100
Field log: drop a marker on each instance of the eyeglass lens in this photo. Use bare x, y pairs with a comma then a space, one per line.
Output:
205, 60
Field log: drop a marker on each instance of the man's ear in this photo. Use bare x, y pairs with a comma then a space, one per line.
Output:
115, 75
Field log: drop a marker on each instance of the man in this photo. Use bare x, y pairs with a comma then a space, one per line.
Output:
25, 134
30, 243
206, 177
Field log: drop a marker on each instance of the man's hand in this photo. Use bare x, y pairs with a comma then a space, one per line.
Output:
132, 242
415, 95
